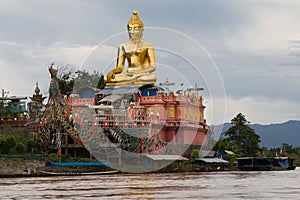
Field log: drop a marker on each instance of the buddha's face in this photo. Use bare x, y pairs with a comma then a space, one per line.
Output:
135, 31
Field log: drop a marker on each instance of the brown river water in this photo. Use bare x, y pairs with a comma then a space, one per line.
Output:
213, 185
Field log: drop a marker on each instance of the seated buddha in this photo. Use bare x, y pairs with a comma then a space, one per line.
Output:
140, 57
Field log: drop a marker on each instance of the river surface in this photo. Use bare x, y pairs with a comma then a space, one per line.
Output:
213, 185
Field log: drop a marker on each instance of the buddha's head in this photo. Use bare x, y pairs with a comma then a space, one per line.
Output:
135, 27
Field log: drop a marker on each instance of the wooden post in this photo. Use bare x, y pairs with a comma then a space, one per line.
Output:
120, 160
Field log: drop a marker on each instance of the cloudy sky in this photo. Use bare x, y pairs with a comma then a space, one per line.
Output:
253, 47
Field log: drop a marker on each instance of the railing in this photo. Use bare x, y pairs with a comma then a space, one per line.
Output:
125, 124
13, 123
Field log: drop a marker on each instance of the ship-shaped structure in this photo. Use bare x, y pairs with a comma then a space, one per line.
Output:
147, 111
132, 112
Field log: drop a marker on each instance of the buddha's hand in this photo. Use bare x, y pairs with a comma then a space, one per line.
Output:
110, 75
134, 70
117, 70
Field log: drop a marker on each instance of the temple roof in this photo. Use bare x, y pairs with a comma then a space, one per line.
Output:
37, 96
13, 98
119, 90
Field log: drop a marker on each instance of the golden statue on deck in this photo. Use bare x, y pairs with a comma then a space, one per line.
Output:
140, 58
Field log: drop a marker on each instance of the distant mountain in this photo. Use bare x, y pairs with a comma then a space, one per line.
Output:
272, 135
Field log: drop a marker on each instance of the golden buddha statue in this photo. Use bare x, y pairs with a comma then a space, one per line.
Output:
140, 57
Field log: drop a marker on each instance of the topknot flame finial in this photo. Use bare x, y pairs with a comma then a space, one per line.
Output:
135, 19
37, 89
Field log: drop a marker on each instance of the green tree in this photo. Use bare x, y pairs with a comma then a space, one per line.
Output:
285, 147
224, 144
20, 147
85, 79
7, 143
52, 157
10, 142
297, 151
29, 145
70, 82
66, 81
242, 137
101, 83
2, 145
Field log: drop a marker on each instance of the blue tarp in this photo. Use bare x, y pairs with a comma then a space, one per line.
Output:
77, 164
149, 91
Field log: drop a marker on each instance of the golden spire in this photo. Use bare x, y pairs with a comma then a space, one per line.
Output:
135, 19
37, 96
37, 89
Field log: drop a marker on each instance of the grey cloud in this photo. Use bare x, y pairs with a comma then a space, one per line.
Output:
212, 23
86, 22
247, 74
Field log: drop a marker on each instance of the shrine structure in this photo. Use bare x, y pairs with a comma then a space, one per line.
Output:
131, 111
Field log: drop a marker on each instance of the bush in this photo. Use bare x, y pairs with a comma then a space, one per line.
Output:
66, 158
19, 147
10, 141
7, 143
231, 159
52, 157
29, 145
2, 145
12, 151
196, 153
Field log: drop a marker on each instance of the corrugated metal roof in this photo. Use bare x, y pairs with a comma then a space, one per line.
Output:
229, 152
119, 90
210, 160
13, 98
207, 153
111, 98
166, 157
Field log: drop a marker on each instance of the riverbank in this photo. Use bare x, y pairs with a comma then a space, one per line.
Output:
11, 167
17, 167
35, 167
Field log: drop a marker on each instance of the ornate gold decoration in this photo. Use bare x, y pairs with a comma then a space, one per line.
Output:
135, 19
37, 96
171, 112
